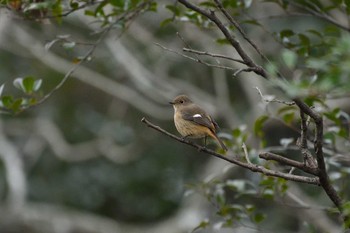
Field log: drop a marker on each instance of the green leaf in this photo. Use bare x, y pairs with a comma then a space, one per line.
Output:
286, 33
89, 13
208, 4
289, 58
346, 212
99, 8
7, 101
57, 10
286, 109
347, 6
153, 7
174, 9
28, 84
253, 22
283, 185
118, 3
259, 217
16, 106
236, 132
268, 193
258, 125
250, 208
32, 101
272, 69
315, 32
333, 116
202, 225
288, 118
74, 5
220, 195
222, 41
304, 40
267, 181
37, 84
166, 22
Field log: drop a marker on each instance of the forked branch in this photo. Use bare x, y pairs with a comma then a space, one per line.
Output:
230, 38
230, 159
318, 148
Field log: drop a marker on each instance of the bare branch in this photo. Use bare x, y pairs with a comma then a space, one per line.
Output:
289, 162
318, 147
85, 58
233, 41
319, 14
289, 103
308, 159
244, 147
196, 59
242, 70
86, 75
234, 23
212, 55
252, 167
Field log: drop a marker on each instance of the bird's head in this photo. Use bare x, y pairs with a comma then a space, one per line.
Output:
181, 100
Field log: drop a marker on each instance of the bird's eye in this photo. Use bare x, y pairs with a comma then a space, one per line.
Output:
181, 101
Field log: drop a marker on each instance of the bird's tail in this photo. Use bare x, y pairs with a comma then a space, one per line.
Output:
219, 141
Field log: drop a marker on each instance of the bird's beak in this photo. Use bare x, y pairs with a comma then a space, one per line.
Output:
172, 103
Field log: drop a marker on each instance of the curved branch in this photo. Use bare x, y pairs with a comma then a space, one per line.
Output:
318, 147
230, 159
212, 55
319, 14
302, 166
240, 29
233, 41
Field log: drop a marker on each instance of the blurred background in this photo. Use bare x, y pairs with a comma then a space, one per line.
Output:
82, 161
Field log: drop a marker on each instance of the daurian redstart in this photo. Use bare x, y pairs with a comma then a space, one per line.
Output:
192, 121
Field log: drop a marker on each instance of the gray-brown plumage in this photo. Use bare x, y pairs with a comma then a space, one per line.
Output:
192, 121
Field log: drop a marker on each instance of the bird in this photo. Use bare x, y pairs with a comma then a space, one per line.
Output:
191, 121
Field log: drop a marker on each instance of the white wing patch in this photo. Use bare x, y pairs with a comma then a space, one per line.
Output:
197, 115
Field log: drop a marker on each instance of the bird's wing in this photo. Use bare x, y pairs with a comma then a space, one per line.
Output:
216, 126
197, 115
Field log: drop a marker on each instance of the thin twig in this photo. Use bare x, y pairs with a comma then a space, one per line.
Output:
291, 170
308, 159
238, 71
234, 23
244, 147
232, 40
189, 47
288, 162
252, 167
319, 14
195, 59
318, 147
126, 16
212, 55
289, 103
70, 72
